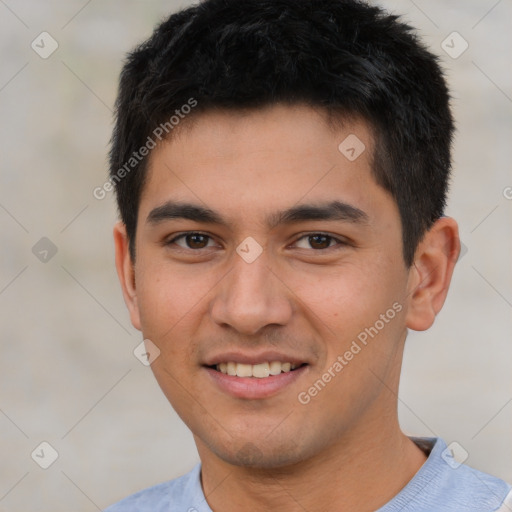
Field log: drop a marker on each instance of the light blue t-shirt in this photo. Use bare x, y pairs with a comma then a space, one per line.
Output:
440, 485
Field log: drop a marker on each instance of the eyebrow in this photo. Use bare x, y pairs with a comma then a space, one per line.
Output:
333, 210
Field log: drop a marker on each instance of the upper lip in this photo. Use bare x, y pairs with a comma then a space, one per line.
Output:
254, 358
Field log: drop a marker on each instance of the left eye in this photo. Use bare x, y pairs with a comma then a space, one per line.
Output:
318, 241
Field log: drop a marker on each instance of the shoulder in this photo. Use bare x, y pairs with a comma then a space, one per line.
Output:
445, 485
183, 494
475, 490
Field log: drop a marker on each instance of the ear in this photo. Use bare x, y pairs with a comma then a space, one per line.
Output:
126, 272
431, 273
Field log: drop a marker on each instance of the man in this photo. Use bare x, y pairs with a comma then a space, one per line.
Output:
281, 169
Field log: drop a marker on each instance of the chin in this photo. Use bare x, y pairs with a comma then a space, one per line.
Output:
251, 456
260, 454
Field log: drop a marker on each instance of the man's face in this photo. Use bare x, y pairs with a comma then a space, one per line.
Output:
321, 279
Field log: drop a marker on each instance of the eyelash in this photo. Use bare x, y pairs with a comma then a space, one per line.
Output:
339, 241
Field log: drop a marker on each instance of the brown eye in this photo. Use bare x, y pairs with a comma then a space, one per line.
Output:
319, 241
196, 241
191, 241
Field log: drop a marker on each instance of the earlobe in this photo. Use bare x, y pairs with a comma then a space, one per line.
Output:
126, 272
431, 273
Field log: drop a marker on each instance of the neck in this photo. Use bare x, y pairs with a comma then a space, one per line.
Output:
360, 472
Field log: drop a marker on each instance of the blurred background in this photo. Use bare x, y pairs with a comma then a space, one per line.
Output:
68, 376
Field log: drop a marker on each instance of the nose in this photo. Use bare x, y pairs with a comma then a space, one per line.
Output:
251, 297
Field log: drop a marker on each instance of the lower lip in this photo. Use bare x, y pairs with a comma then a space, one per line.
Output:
253, 388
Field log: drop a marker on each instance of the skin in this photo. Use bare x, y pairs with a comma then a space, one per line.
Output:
299, 297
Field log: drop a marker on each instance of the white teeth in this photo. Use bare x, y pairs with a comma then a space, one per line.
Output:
260, 370
275, 367
231, 368
243, 370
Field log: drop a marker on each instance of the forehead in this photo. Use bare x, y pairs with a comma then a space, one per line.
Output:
246, 163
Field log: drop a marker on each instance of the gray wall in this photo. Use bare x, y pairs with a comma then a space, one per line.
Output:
67, 372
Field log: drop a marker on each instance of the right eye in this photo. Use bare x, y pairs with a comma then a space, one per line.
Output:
191, 240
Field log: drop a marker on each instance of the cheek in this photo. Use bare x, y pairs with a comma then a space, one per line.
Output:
168, 299
349, 295
344, 305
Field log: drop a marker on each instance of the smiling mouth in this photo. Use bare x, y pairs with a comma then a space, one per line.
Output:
259, 371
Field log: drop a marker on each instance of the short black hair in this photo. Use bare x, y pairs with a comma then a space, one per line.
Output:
344, 56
